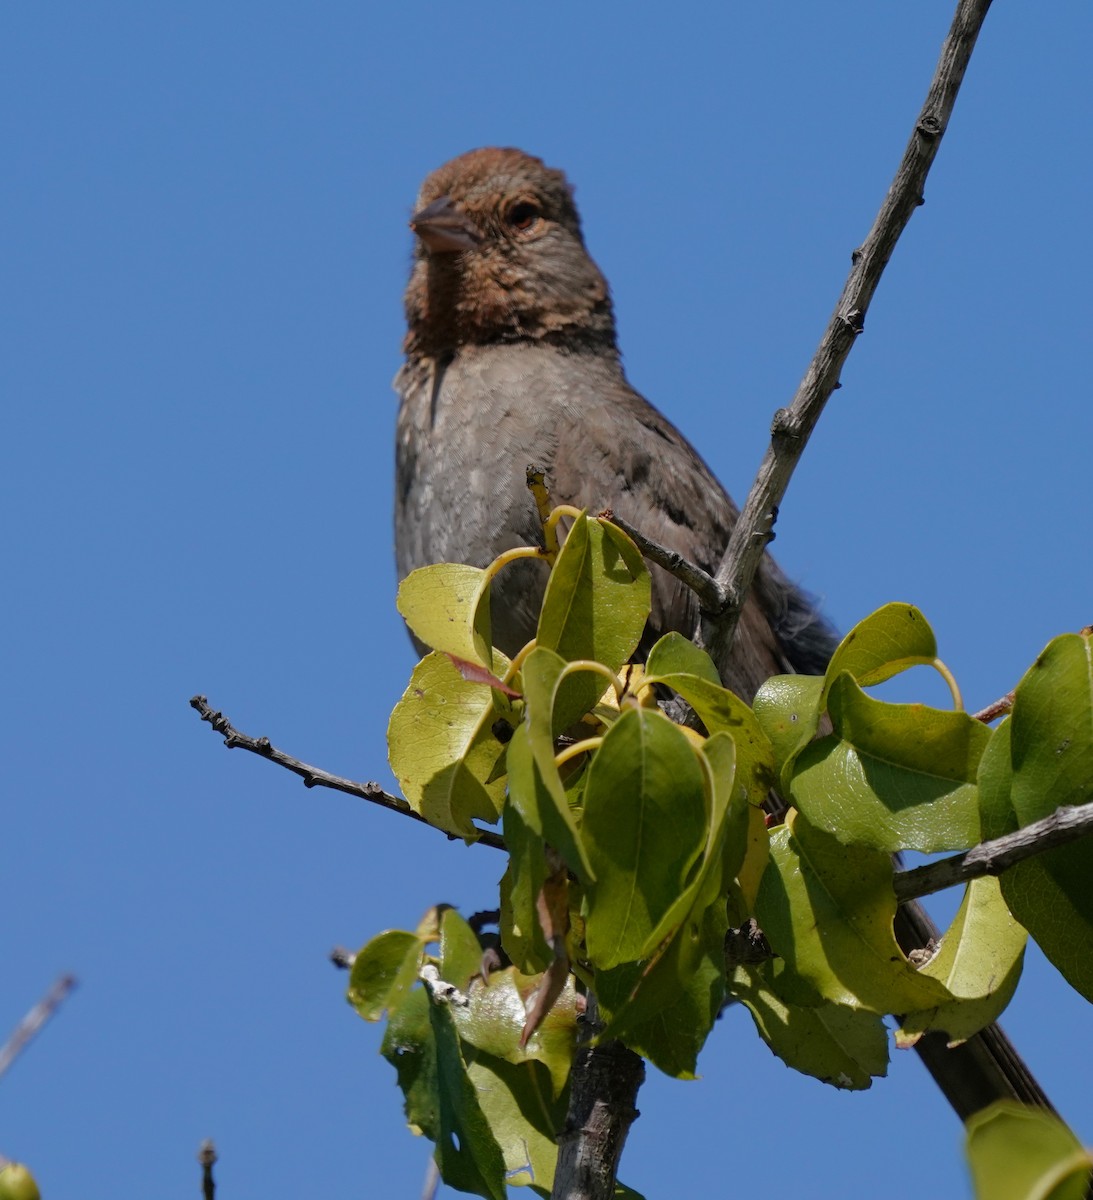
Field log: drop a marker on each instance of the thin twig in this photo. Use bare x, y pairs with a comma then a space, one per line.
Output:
34, 1020
315, 776
993, 711
792, 426
709, 592
206, 1156
993, 857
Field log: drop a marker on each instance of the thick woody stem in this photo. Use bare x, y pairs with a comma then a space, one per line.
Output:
792, 426
604, 1086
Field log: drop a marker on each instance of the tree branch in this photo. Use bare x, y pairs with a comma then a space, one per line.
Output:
992, 858
34, 1020
709, 592
604, 1084
315, 776
206, 1156
792, 426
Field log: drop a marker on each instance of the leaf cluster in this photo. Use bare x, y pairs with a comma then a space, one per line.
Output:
634, 844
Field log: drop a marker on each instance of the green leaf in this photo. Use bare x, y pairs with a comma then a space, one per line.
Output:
383, 973
644, 828
535, 786
494, 1017
995, 781
665, 1011
409, 1046
521, 933
722, 711
524, 1118
443, 750
1052, 726
447, 606
467, 1152
892, 776
460, 950
979, 961
596, 604
674, 654
17, 1183
1052, 761
1022, 1153
788, 709
843, 1046
729, 820
827, 909
890, 640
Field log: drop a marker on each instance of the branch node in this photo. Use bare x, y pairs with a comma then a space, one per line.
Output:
854, 320
784, 424
929, 126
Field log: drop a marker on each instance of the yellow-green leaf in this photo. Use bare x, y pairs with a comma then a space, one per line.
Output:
442, 747
595, 607
827, 910
892, 776
447, 605
383, 972
843, 1046
888, 641
644, 829
1022, 1153
1052, 762
979, 961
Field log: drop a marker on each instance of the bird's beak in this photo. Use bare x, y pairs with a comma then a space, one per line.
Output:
444, 229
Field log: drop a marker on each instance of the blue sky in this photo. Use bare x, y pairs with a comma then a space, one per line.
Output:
204, 245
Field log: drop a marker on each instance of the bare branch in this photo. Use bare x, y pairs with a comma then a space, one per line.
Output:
992, 858
709, 592
997, 709
315, 776
34, 1020
792, 426
206, 1156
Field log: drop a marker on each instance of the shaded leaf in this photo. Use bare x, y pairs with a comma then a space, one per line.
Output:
1022, 1153
409, 1046
827, 910
644, 828
665, 1010
723, 712
892, 776
979, 962
383, 972
788, 709
673, 654
493, 1019
1051, 731
595, 607
521, 936
843, 1046
524, 1118
537, 793
467, 1152
894, 638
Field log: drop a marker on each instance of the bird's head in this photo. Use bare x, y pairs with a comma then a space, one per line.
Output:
499, 257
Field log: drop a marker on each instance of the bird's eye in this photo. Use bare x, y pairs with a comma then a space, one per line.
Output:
522, 215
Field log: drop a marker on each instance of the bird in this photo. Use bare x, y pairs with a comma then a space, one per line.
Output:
511, 357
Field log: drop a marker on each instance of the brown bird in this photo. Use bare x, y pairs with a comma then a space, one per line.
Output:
511, 358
